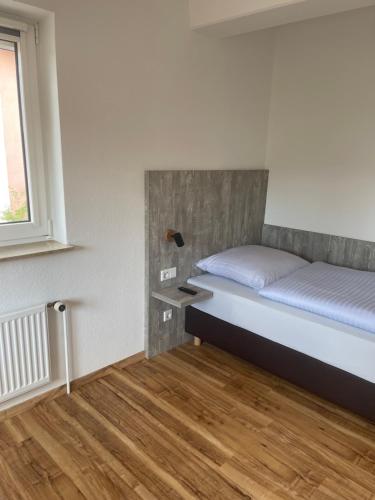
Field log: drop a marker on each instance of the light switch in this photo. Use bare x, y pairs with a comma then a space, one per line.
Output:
168, 274
167, 315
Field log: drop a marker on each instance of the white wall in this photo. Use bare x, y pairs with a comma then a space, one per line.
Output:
321, 146
138, 90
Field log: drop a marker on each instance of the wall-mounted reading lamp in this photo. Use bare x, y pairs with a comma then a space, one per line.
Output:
172, 235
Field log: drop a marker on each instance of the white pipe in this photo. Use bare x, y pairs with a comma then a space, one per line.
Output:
61, 307
67, 358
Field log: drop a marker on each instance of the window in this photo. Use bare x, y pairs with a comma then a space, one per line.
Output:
23, 207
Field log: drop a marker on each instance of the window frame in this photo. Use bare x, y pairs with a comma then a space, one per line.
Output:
37, 228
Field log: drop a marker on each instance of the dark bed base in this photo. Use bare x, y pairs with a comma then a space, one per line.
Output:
326, 381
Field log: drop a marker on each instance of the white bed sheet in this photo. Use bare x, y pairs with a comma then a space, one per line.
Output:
339, 345
338, 293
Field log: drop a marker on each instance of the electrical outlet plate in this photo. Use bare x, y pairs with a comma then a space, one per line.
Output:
167, 315
168, 274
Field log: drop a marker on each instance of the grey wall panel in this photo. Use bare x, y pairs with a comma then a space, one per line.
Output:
214, 210
336, 250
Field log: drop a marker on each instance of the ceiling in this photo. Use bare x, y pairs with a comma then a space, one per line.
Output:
227, 18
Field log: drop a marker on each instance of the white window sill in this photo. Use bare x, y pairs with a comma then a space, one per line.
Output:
31, 249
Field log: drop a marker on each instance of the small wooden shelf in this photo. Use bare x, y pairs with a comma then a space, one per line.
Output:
175, 297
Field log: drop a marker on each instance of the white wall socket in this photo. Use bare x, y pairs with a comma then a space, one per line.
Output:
168, 274
167, 315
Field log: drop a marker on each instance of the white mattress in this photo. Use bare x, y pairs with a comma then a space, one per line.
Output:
338, 293
339, 345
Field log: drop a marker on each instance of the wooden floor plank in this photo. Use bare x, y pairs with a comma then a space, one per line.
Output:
71, 455
189, 473
196, 423
330, 437
72, 414
29, 469
350, 447
206, 469
137, 472
266, 467
166, 422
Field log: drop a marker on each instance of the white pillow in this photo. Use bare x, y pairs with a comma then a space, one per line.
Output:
254, 266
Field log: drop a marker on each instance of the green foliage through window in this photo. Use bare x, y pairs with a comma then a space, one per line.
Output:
18, 215
19, 212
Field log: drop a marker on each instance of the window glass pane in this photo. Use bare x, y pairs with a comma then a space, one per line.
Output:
14, 205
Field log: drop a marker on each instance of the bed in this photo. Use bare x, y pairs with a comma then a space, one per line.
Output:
331, 359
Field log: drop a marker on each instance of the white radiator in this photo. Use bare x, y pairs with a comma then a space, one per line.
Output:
24, 352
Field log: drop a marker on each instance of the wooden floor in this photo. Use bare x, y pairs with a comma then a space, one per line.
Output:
194, 423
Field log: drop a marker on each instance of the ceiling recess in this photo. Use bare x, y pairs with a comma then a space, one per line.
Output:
222, 18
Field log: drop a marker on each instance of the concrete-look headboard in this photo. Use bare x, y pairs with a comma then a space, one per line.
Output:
337, 250
214, 210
